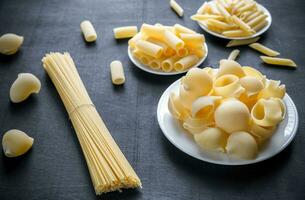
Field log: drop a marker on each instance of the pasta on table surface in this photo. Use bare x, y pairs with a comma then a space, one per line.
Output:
234, 109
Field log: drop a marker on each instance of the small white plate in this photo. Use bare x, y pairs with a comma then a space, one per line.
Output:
180, 138
260, 32
160, 72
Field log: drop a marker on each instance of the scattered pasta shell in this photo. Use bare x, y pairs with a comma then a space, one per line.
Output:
10, 43
242, 145
230, 67
204, 107
228, 85
176, 108
268, 112
212, 139
273, 89
16, 143
23, 87
232, 115
198, 81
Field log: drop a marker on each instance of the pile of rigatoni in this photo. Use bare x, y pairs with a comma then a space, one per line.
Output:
167, 48
232, 18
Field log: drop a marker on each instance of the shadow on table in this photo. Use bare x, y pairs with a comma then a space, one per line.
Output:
125, 194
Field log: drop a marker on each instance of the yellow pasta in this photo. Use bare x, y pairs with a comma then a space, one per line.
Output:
230, 67
260, 25
242, 25
182, 52
108, 167
245, 15
219, 24
253, 15
191, 39
263, 49
212, 139
153, 31
257, 20
228, 86
167, 65
176, 107
233, 55
273, 89
182, 29
234, 43
223, 12
167, 51
236, 33
149, 48
134, 39
117, 72
204, 8
88, 31
155, 64
247, 7
172, 40
200, 17
125, 32
186, 62
176, 7
278, 61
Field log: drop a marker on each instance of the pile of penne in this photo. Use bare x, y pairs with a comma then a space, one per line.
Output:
167, 48
232, 18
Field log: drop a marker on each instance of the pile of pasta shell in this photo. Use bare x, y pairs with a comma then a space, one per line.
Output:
167, 48
233, 109
236, 18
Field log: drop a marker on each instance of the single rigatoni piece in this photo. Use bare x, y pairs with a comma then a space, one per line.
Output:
88, 31
153, 31
263, 49
182, 52
149, 48
134, 39
182, 29
233, 55
168, 64
167, 51
233, 43
108, 167
278, 61
192, 39
117, 72
172, 40
186, 62
125, 32
142, 57
242, 25
155, 64
176, 7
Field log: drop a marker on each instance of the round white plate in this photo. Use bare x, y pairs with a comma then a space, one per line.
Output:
180, 138
160, 72
260, 32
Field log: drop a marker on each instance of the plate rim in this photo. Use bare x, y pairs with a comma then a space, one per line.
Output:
262, 31
152, 71
242, 162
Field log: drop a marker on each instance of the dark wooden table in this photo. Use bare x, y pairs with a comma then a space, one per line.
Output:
55, 167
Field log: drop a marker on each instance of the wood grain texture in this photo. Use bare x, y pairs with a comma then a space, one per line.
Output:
55, 167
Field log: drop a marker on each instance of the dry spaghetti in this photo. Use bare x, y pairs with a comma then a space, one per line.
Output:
108, 167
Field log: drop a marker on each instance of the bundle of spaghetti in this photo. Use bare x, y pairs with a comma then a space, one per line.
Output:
108, 167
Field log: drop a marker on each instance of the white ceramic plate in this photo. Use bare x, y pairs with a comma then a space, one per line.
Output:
160, 72
263, 30
180, 138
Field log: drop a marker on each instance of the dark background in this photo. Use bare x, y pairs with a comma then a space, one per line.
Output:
55, 167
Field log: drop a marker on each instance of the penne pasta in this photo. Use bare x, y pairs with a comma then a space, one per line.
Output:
260, 25
278, 61
176, 7
233, 55
172, 40
247, 7
199, 17
253, 15
218, 24
236, 33
242, 25
245, 15
203, 8
237, 6
233, 43
257, 20
88, 31
149, 48
263, 49
223, 11
186, 62
125, 32
117, 72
